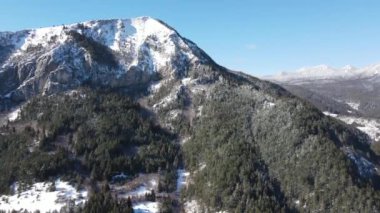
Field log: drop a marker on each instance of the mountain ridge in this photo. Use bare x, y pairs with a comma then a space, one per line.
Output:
325, 72
143, 46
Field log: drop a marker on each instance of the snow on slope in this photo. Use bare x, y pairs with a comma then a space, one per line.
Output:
369, 126
146, 207
57, 59
353, 105
133, 37
13, 115
39, 197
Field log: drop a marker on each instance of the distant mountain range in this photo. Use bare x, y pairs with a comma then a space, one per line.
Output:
110, 115
348, 91
325, 73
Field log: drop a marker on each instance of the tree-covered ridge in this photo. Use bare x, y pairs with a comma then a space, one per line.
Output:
254, 153
83, 135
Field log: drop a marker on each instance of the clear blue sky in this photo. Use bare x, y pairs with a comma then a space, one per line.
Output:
255, 36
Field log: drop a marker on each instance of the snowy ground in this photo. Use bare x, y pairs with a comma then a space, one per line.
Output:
136, 189
354, 105
146, 207
39, 197
369, 126
268, 105
13, 115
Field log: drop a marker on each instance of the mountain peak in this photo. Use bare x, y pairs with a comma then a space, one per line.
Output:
141, 45
318, 68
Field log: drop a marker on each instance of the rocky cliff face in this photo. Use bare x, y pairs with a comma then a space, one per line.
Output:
115, 53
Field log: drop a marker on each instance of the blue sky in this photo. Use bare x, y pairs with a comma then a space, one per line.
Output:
259, 37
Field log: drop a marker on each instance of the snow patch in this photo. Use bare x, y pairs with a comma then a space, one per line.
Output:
353, 105
330, 114
184, 140
297, 202
146, 207
14, 115
202, 166
43, 36
199, 111
38, 197
268, 105
369, 126
186, 81
154, 87
168, 99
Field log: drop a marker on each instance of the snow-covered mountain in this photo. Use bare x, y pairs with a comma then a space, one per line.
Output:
327, 73
107, 52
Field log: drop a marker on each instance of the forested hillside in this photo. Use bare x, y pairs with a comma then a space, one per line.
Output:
86, 137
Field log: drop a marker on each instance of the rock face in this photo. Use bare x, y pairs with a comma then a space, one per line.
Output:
115, 53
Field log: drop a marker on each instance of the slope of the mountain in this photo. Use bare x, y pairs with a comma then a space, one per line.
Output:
357, 87
323, 103
120, 108
349, 94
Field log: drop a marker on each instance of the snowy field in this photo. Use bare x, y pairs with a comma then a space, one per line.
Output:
369, 126
40, 197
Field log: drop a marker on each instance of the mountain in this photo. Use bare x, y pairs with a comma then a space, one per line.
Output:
111, 115
351, 93
113, 53
326, 73
356, 87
